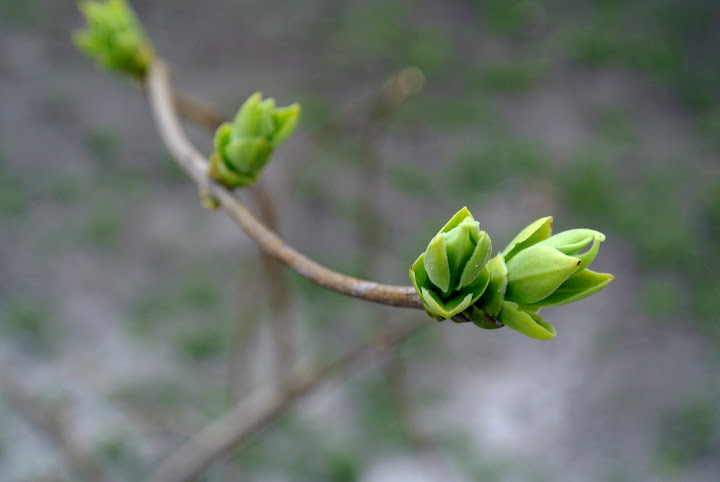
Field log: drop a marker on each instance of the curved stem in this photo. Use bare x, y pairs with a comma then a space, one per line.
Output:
195, 165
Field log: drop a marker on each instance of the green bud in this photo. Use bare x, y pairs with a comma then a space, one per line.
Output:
535, 270
244, 147
114, 37
452, 274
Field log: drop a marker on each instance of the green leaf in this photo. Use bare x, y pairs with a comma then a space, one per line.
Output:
477, 262
529, 324
266, 124
456, 220
220, 171
573, 241
477, 287
446, 309
248, 156
492, 298
222, 136
579, 286
459, 246
436, 263
532, 234
479, 317
534, 273
247, 119
285, 120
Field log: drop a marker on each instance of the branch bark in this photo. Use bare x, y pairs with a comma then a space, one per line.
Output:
195, 165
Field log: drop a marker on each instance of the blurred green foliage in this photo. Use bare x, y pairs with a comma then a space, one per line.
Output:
119, 458
28, 320
14, 199
18, 12
689, 434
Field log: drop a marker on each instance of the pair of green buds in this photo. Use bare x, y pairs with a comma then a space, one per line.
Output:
114, 38
456, 277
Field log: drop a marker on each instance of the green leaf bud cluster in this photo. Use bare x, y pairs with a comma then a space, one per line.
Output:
244, 147
456, 278
114, 37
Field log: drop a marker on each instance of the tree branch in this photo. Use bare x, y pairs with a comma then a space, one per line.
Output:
195, 165
249, 417
198, 111
50, 423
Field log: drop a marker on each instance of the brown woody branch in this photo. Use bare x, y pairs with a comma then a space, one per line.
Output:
195, 165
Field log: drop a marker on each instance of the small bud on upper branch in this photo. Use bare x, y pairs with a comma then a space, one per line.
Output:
114, 38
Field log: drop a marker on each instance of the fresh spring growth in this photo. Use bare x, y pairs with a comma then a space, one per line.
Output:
243, 147
535, 270
114, 37
452, 274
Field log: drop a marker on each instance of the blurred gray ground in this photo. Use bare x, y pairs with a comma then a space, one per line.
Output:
120, 296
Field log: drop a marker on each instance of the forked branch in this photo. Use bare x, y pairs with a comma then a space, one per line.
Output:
195, 165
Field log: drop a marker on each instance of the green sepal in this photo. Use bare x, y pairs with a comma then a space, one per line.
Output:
534, 273
529, 324
532, 234
579, 286
492, 298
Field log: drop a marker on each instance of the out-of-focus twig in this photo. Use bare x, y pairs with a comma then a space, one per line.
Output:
249, 417
244, 335
401, 85
195, 165
278, 290
197, 111
278, 294
49, 421
371, 236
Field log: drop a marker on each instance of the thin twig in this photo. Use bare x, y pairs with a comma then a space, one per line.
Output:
244, 335
197, 111
196, 167
281, 324
249, 417
48, 421
278, 290
370, 235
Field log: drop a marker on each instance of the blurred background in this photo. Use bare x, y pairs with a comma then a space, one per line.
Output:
130, 317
